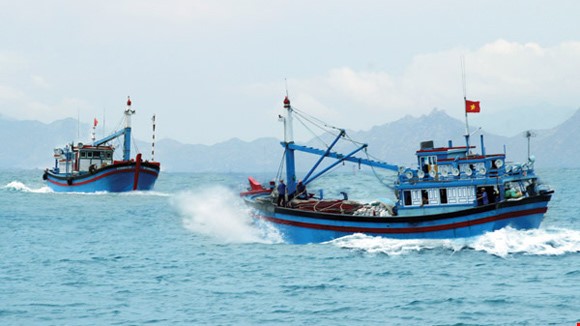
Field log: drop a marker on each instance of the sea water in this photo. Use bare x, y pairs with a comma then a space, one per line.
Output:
188, 253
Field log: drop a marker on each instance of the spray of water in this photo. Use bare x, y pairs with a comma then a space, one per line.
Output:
145, 193
219, 213
552, 242
501, 243
21, 187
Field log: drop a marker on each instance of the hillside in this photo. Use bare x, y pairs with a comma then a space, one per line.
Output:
29, 144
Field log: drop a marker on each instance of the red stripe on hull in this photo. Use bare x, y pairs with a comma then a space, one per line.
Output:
420, 229
100, 177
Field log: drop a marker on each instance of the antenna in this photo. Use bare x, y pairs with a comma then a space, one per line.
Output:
78, 124
104, 121
464, 102
529, 134
153, 143
463, 77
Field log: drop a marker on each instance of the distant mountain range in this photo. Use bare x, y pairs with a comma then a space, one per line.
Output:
29, 144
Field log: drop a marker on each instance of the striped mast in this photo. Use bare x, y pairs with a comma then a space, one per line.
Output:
127, 132
94, 132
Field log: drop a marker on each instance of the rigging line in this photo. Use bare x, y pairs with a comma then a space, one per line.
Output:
281, 166
314, 118
319, 123
298, 116
134, 144
332, 170
352, 141
323, 127
310, 130
325, 130
373, 157
379, 178
314, 123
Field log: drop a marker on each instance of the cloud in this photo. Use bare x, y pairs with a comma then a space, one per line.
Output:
8, 93
503, 75
40, 81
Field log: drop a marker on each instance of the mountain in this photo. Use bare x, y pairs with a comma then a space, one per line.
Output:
29, 144
233, 155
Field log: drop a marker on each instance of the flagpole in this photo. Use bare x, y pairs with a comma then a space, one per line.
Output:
465, 103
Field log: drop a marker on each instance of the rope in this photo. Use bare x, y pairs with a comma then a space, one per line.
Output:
134, 144
281, 166
319, 122
376, 175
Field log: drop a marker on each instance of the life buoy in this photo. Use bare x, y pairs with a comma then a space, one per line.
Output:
92, 169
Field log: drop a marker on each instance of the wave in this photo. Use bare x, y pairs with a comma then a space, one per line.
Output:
151, 193
21, 187
501, 243
219, 213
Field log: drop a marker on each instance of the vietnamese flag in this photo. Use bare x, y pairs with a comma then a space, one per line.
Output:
471, 106
95, 122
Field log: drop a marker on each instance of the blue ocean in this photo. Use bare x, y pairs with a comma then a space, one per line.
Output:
188, 253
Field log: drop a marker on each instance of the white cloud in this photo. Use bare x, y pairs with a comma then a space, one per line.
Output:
40, 81
502, 75
9, 93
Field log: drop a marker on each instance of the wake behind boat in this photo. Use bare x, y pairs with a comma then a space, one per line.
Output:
92, 168
451, 193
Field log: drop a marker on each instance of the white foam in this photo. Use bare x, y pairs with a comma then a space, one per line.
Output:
219, 213
146, 193
502, 243
550, 242
19, 186
392, 247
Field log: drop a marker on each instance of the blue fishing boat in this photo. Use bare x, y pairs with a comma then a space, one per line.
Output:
452, 192
92, 168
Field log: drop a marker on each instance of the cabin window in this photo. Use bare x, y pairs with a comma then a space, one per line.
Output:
83, 154
89, 154
108, 155
462, 198
424, 197
443, 195
452, 195
96, 154
407, 198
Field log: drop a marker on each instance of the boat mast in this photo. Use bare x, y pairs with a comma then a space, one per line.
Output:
465, 105
153, 140
93, 134
289, 139
127, 131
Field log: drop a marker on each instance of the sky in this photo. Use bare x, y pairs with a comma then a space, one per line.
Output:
215, 70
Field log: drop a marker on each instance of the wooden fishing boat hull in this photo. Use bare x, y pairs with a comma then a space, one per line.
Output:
119, 177
303, 226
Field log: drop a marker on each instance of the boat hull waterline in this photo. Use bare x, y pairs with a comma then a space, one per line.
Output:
300, 227
114, 178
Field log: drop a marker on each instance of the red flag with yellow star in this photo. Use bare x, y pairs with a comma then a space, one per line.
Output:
472, 106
